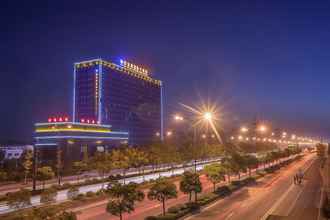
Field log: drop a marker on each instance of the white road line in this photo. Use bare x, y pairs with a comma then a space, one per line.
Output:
275, 206
230, 215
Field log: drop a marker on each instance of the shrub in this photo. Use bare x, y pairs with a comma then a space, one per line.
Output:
233, 187
67, 216
73, 192
261, 173
48, 195
16, 176
192, 206
80, 196
100, 192
19, 199
168, 216
236, 183
173, 209
150, 218
223, 191
90, 194
248, 180
66, 185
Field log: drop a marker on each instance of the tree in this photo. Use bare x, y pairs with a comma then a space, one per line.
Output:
73, 192
137, 159
320, 149
102, 163
236, 163
27, 164
79, 167
251, 162
45, 173
215, 173
123, 198
59, 164
161, 191
263, 159
190, 183
48, 195
121, 159
19, 199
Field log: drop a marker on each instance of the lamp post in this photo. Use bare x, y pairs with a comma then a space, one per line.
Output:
207, 117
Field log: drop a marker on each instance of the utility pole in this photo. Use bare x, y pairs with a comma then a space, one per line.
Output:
35, 166
59, 164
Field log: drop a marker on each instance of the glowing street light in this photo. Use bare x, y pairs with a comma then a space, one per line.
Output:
262, 128
244, 129
207, 116
178, 118
169, 133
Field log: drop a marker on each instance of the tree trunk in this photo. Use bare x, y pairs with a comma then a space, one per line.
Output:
120, 215
213, 187
163, 206
102, 181
124, 174
25, 178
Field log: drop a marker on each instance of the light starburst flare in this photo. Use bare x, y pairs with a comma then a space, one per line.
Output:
205, 116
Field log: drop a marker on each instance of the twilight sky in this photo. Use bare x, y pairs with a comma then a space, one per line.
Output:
252, 57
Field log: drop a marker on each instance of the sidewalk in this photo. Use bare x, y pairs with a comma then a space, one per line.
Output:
325, 190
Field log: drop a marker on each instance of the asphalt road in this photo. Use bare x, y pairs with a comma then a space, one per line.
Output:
96, 211
273, 195
62, 194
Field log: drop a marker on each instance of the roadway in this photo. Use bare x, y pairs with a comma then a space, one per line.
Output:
274, 197
97, 211
62, 194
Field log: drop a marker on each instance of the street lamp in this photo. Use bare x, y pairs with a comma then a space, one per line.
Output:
207, 116
244, 129
262, 128
169, 133
178, 118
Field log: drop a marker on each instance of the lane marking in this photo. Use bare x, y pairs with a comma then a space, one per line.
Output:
230, 215
277, 203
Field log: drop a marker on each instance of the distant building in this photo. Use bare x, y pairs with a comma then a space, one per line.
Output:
13, 151
122, 95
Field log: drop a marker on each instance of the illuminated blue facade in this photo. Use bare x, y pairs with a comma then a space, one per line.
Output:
122, 95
